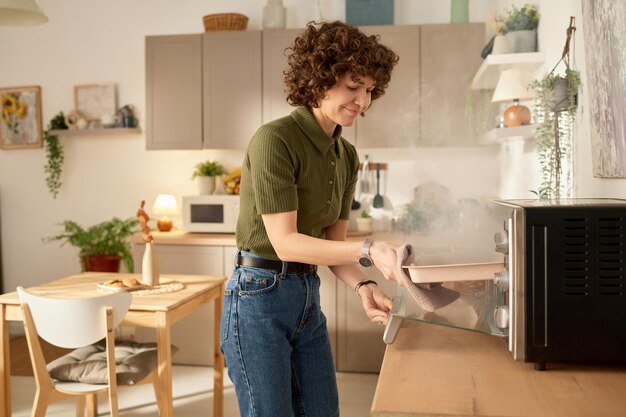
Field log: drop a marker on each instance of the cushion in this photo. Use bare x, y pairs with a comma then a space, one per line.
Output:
133, 361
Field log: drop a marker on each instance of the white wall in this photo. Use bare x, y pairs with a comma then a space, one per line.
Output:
103, 42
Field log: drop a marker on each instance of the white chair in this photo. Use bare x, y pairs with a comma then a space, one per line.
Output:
76, 323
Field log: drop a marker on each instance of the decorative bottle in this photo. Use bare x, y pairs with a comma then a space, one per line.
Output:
274, 15
150, 266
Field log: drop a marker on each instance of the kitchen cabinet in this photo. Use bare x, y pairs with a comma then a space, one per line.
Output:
274, 63
174, 92
360, 346
203, 91
450, 111
393, 120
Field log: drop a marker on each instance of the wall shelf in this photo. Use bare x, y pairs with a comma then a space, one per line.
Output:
502, 134
487, 75
96, 132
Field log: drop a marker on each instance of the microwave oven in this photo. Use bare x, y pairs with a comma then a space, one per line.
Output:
559, 295
211, 213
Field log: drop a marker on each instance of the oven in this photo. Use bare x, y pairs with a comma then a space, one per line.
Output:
556, 293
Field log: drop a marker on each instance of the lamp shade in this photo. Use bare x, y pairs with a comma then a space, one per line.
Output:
21, 13
165, 205
512, 85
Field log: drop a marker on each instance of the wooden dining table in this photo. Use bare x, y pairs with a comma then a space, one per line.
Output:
157, 310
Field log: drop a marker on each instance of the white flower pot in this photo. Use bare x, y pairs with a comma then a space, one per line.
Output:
522, 41
365, 224
205, 185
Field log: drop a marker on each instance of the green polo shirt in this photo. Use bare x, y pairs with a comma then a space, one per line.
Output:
291, 164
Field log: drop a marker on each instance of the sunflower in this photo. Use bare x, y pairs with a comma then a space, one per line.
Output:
9, 103
22, 110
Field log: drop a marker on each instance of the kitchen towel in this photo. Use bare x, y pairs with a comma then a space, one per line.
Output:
430, 297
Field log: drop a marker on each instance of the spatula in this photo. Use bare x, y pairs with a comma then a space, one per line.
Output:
378, 199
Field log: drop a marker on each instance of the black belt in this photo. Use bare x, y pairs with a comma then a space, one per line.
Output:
292, 267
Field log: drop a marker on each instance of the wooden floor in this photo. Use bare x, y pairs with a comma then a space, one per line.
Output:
20, 359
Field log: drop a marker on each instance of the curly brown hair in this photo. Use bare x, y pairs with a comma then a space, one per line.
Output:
321, 54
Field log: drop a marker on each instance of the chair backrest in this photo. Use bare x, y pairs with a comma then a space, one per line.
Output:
75, 322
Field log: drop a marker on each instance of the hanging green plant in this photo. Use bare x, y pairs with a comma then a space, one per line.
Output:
556, 103
54, 154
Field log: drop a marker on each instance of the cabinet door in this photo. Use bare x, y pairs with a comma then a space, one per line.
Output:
393, 119
360, 346
194, 334
274, 63
328, 304
450, 56
231, 88
174, 92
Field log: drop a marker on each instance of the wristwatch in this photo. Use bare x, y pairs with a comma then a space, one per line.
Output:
365, 260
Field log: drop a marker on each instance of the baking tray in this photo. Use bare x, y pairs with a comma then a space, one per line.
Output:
427, 271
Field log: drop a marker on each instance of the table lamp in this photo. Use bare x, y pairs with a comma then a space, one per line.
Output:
513, 86
165, 206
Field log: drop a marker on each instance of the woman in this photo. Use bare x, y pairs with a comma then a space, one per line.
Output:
298, 182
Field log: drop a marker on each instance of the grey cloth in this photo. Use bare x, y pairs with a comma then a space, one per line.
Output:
133, 362
430, 297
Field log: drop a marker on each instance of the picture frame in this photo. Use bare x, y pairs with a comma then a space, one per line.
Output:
20, 124
93, 101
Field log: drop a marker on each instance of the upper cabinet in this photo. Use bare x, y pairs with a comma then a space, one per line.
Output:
213, 90
203, 91
393, 119
450, 111
231, 88
174, 92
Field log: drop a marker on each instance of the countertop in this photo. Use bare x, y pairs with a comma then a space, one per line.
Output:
182, 237
437, 371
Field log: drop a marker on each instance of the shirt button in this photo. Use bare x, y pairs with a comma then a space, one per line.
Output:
330, 181
328, 202
332, 163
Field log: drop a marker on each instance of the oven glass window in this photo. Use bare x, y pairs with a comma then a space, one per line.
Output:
207, 213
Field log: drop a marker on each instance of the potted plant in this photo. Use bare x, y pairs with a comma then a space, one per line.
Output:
103, 245
205, 173
54, 154
519, 26
555, 111
365, 223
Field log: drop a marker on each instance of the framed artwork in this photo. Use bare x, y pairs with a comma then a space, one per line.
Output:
20, 126
93, 101
606, 79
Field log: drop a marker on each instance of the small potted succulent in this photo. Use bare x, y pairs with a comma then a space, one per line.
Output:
365, 223
204, 175
519, 26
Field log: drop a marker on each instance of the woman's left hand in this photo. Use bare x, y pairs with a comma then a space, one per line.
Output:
375, 303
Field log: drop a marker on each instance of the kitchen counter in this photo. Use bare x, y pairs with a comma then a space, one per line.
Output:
437, 371
182, 237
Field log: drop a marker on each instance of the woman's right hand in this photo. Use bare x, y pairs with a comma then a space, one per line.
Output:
385, 259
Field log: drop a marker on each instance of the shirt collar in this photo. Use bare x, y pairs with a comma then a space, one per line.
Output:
305, 120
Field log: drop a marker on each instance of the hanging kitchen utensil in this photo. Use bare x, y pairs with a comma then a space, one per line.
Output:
357, 194
378, 199
365, 185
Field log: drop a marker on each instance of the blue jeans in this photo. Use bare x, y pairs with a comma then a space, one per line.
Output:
276, 345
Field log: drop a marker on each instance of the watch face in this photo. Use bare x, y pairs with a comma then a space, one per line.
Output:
365, 262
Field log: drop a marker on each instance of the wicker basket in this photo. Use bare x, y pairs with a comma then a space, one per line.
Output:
225, 21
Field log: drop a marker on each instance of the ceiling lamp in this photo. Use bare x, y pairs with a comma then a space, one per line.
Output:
21, 13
